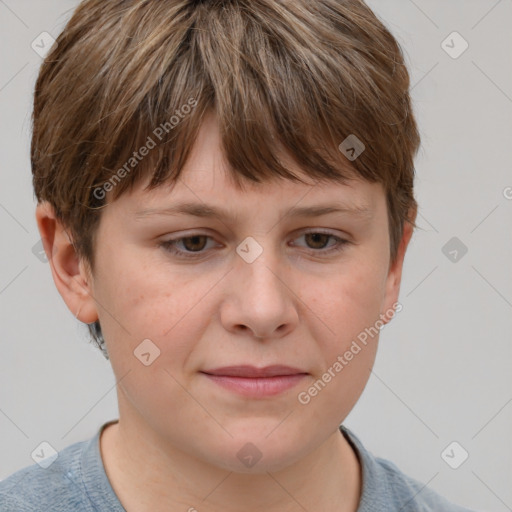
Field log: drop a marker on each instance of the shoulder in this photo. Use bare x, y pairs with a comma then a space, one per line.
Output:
386, 487
412, 495
58, 487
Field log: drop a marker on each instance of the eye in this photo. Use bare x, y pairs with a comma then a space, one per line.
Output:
319, 240
194, 246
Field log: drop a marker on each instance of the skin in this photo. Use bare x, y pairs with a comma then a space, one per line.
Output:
175, 445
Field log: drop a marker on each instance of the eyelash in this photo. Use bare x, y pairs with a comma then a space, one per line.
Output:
170, 245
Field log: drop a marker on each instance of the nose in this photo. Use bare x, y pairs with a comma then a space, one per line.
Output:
260, 300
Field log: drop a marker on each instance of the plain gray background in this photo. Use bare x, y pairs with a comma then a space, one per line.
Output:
443, 370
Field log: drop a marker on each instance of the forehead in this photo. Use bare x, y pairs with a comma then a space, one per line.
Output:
207, 180
208, 193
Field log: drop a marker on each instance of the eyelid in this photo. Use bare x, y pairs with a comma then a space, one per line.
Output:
341, 241
169, 244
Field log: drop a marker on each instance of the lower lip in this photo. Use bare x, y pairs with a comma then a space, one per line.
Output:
259, 386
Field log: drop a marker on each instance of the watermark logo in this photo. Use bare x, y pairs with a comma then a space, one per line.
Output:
249, 249
304, 397
454, 455
143, 151
454, 45
249, 455
352, 147
146, 352
44, 455
42, 44
454, 249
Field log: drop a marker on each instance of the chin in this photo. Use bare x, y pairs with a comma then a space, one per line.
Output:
258, 454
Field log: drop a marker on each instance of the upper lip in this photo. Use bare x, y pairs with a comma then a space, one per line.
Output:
253, 371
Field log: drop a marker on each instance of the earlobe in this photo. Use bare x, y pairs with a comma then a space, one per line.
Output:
69, 273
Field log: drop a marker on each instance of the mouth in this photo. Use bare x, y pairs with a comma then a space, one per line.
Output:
255, 382
249, 371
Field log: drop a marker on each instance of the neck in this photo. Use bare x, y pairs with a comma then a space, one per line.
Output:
147, 478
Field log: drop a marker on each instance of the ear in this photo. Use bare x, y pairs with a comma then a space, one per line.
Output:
394, 276
71, 277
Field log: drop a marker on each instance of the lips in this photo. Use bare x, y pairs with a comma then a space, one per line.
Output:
256, 383
252, 372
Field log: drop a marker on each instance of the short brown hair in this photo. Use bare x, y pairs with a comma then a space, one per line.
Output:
298, 76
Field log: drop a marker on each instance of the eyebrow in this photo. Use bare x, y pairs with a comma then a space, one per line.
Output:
204, 210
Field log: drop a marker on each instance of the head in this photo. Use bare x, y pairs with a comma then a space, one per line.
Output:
250, 107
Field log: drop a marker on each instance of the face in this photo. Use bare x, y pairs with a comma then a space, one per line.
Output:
181, 296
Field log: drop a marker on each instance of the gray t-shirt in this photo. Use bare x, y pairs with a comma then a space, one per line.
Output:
76, 481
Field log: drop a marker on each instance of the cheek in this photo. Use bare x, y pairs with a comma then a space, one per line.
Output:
345, 304
168, 309
149, 302
346, 308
